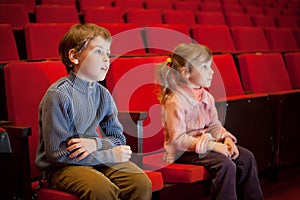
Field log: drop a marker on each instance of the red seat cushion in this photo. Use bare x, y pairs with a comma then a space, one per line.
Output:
175, 173
156, 179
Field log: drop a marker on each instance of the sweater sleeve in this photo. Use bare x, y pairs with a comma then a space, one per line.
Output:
215, 127
56, 120
176, 129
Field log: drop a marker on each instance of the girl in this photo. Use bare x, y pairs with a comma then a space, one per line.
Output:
193, 133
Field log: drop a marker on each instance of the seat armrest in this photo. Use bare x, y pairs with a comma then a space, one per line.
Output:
132, 123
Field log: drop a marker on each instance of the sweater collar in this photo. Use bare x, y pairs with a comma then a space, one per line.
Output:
201, 95
80, 84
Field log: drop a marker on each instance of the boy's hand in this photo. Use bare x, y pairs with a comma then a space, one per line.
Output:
232, 148
122, 153
81, 147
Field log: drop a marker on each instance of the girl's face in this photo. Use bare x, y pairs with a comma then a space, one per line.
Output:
201, 74
93, 61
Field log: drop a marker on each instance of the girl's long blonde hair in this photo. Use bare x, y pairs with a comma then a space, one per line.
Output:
169, 77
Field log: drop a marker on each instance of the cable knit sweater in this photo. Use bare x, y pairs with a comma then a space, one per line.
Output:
71, 108
182, 126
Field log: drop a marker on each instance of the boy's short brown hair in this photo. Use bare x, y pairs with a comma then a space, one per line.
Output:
77, 37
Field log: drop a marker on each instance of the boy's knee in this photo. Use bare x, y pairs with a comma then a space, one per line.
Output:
228, 167
141, 187
101, 192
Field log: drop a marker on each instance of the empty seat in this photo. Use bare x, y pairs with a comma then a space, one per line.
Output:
122, 33
210, 18
211, 7
254, 10
8, 51
263, 20
237, 19
128, 3
56, 14
249, 39
292, 61
29, 4
59, 2
280, 39
267, 73
84, 4
270, 11
14, 14
103, 15
187, 5
235, 8
296, 33
179, 17
143, 17
287, 21
216, 37
161, 5
42, 40
170, 35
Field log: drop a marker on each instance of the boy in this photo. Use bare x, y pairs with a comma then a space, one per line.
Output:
70, 152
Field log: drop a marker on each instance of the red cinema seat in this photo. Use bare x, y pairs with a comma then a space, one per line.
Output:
249, 39
292, 61
42, 40
58, 2
103, 15
280, 39
143, 17
38, 76
267, 73
162, 5
14, 14
263, 21
56, 14
193, 6
175, 34
179, 17
8, 51
238, 19
84, 4
128, 3
210, 18
216, 37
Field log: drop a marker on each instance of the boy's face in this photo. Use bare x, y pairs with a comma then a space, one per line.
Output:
93, 61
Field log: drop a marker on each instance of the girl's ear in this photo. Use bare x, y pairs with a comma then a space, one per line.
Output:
73, 56
184, 72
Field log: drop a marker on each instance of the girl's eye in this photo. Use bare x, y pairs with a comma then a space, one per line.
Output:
204, 66
98, 51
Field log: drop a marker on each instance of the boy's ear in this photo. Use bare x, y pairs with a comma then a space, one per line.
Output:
73, 56
184, 72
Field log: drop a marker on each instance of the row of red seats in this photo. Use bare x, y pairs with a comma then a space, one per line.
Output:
262, 120
17, 15
41, 40
283, 7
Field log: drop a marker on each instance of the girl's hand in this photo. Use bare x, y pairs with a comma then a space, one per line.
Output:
220, 148
81, 147
232, 148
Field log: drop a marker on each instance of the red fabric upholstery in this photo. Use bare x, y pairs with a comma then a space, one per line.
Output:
263, 20
249, 39
210, 36
29, 5
280, 39
187, 5
83, 4
103, 14
211, 7
233, 8
176, 33
14, 14
8, 51
226, 81
292, 61
163, 5
128, 3
264, 73
56, 14
179, 17
122, 33
26, 83
238, 19
156, 179
210, 18
143, 17
287, 21
132, 84
42, 40
58, 2
175, 173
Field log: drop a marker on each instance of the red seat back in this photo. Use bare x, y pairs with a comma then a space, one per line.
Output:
143, 17
14, 14
42, 40
210, 18
280, 39
264, 73
132, 84
8, 51
56, 14
26, 83
179, 17
103, 15
292, 61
